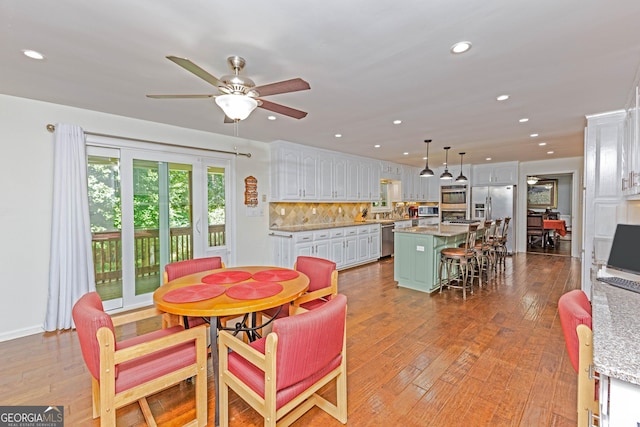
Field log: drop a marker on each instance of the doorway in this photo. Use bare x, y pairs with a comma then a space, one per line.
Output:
550, 195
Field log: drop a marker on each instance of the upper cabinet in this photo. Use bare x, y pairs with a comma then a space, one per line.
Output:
630, 155
300, 173
495, 174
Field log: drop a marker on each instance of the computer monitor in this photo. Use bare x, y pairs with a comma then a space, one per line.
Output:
624, 253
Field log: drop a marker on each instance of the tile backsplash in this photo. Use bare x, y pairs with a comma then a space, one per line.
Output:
314, 213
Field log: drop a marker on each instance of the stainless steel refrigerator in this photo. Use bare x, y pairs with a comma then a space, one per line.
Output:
493, 202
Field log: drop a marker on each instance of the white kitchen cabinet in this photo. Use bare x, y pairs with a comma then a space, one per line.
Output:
408, 183
325, 184
351, 246
375, 242
309, 173
631, 148
285, 173
340, 178
390, 170
282, 249
337, 247
494, 174
602, 191
353, 174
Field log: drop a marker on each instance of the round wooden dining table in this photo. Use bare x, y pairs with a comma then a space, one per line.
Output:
228, 292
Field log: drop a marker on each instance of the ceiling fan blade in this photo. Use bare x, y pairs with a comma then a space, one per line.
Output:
193, 68
281, 109
178, 96
285, 86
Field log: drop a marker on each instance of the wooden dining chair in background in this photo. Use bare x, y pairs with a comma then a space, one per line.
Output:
127, 371
323, 285
179, 269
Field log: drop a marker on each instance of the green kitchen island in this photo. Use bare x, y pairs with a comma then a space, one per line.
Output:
417, 254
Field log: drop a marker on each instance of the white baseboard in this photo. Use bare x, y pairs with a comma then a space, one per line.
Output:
19, 333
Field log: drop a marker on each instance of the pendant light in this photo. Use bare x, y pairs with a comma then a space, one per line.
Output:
461, 178
446, 174
426, 172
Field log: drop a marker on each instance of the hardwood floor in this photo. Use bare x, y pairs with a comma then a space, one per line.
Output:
414, 359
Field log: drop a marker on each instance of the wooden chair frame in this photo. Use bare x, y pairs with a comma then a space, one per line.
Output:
587, 403
104, 397
266, 362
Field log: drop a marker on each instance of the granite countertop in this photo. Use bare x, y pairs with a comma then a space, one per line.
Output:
439, 230
616, 326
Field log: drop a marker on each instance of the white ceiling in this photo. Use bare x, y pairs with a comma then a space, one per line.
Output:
368, 62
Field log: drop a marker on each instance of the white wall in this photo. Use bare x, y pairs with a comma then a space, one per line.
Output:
569, 165
25, 198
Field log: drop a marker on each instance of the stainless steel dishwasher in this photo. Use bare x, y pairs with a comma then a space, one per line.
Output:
387, 240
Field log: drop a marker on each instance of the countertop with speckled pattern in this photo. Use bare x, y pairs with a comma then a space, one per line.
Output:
616, 332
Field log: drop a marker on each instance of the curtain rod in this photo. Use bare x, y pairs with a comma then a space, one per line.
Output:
51, 128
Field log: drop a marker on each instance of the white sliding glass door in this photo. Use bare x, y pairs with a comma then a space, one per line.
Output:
151, 208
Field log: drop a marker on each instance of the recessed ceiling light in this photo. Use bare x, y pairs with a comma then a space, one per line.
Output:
405, 153
397, 122
502, 97
460, 47
533, 135
32, 54
271, 117
376, 146
523, 120
338, 135
549, 152
488, 159
542, 144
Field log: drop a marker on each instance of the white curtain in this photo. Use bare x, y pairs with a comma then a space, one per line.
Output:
71, 262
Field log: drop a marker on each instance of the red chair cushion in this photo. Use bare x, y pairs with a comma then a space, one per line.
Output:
317, 269
309, 347
156, 364
574, 309
191, 266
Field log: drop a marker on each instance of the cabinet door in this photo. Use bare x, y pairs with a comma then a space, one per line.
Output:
353, 172
340, 178
374, 245
325, 185
337, 252
407, 184
322, 249
363, 247
304, 249
482, 174
434, 186
364, 180
309, 175
350, 250
289, 174
505, 173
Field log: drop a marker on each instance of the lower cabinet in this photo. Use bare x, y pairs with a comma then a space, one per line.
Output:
346, 246
615, 402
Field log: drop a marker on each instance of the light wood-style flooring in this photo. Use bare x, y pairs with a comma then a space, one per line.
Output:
414, 359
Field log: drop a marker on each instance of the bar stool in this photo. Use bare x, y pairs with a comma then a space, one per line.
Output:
484, 250
463, 260
500, 244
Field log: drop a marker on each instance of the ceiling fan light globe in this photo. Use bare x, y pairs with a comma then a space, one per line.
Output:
236, 107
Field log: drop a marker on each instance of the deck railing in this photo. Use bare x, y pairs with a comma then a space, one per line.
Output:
107, 251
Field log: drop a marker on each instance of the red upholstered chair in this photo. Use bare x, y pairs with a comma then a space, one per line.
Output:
127, 371
323, 285
574, 310
178, 269
279, 375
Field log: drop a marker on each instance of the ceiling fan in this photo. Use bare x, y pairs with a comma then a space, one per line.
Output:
237, 95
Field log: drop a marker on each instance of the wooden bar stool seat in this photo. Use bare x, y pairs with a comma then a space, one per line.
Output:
460, 264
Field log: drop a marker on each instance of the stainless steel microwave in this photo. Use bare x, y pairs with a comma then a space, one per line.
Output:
428, 211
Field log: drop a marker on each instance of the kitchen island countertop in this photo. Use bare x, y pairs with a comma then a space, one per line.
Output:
439, 230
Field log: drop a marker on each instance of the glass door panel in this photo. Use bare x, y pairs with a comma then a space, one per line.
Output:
216, 206
105, 212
